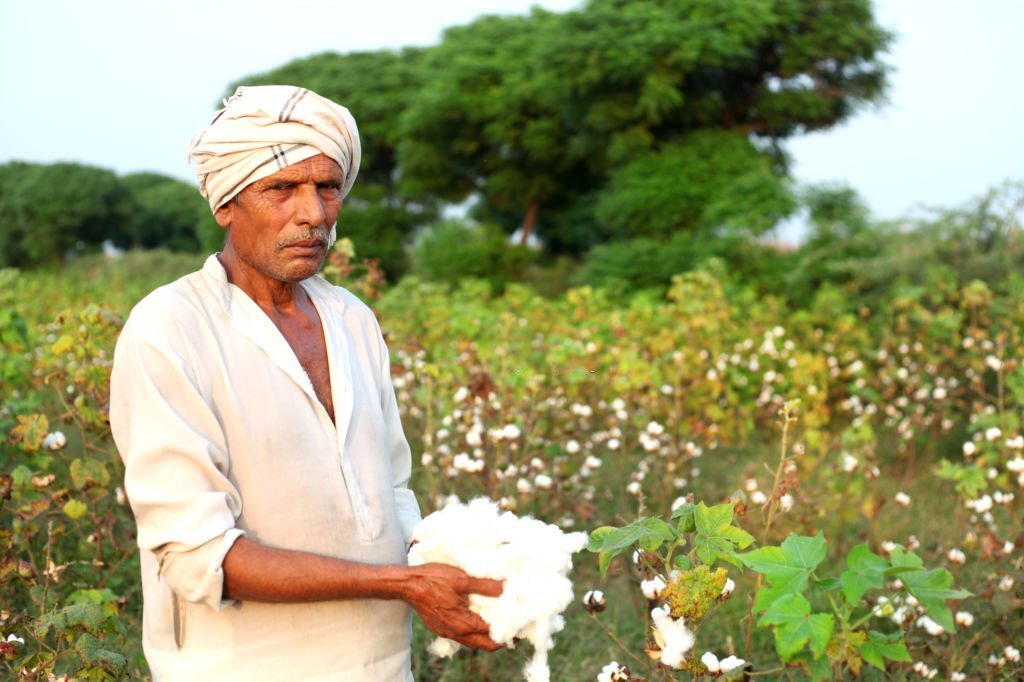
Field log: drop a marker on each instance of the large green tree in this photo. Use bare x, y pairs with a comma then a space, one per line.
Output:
489, 120
50, 210
551, 109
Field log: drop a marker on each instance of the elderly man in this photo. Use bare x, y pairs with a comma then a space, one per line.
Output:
264, 458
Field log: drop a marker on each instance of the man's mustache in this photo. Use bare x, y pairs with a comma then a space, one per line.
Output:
315, 234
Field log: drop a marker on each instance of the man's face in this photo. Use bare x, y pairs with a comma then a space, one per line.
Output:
279, 225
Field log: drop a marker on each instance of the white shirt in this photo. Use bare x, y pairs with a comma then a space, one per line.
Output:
222, 435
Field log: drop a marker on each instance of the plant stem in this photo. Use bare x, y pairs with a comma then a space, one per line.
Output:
615, 639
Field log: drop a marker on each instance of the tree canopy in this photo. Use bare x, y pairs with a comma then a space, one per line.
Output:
599, 123
49, 210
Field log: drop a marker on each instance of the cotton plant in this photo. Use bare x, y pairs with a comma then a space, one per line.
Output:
533, 559
681, 563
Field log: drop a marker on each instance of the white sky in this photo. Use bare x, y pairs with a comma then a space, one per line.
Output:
123, 84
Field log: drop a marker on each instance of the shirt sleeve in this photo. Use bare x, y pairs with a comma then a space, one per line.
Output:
398, 450
175, 456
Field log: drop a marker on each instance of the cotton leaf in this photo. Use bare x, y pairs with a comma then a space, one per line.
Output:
796, 626
865, 571
787, 568
879, 646
931, 588
716, 536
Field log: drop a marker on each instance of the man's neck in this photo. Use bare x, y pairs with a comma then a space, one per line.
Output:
274, 297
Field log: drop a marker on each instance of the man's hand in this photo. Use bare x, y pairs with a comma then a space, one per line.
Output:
439, 593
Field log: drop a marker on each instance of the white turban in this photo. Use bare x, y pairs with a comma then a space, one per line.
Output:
265, 128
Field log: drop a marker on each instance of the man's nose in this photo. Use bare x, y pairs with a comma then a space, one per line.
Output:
309, 208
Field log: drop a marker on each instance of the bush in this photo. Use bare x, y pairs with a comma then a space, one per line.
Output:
454, 250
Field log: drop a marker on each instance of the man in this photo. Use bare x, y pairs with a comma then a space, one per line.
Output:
265, 461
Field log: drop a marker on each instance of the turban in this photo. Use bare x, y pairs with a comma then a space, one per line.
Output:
263, 129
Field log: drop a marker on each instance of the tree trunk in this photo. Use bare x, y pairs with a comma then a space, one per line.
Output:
529, 220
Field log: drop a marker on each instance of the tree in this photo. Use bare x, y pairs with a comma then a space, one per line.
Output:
488, 120
49, 210
166, 212
546, 109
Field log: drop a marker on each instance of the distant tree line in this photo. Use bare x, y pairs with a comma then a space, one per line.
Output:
637, 123
50, 211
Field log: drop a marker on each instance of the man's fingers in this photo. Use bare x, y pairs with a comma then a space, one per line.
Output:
487, 587
480, 642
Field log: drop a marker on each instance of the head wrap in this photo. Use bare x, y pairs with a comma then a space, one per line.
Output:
265, 128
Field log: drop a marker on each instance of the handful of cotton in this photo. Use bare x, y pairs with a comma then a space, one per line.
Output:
532, 557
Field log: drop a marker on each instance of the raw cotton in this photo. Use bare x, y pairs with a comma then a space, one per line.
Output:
532, 557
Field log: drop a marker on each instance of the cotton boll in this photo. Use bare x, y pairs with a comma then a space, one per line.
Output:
672, 635
532, 557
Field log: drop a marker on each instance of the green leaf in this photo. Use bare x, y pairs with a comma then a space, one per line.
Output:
21, 476
649, 533
683, 562
788, 568
75, 509
685, 513
716, 537
795, 626
93, 650
932, 589
865, 571
86, 472
829, 584
879, 646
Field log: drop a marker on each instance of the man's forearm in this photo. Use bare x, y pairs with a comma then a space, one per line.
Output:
437, 592
256, 572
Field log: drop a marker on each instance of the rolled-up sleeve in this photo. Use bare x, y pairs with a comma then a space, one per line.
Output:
175, 457
398, 450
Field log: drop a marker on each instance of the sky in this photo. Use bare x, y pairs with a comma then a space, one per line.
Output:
123, 84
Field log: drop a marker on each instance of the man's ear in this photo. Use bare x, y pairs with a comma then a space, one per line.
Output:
223, 215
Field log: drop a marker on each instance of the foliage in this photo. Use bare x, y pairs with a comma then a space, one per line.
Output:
707, 181
168, 213
452, 251
48, 211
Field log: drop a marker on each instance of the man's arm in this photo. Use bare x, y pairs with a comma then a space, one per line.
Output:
437, 592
